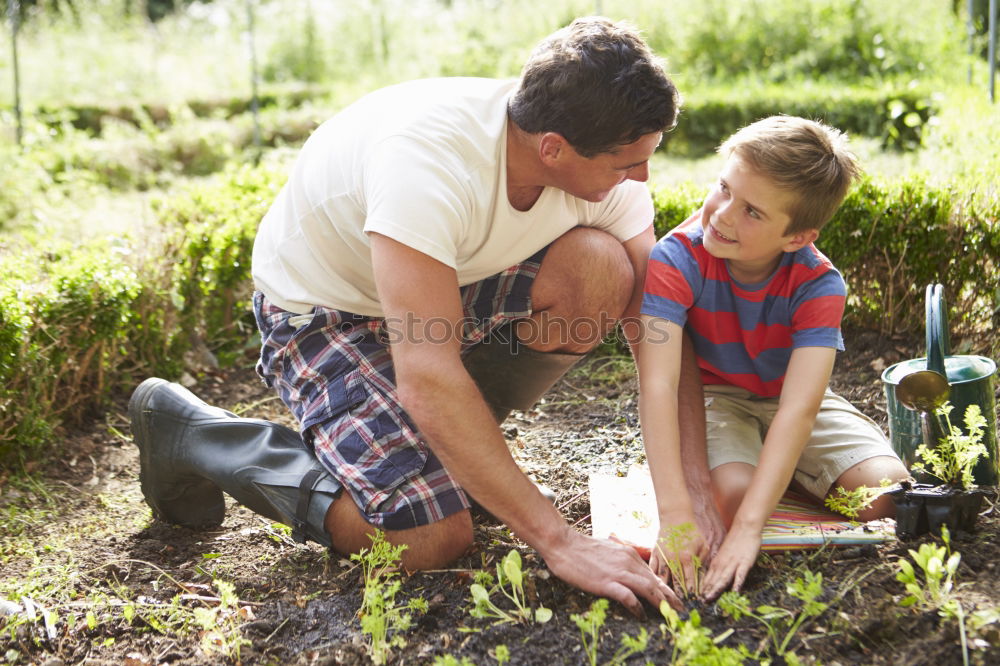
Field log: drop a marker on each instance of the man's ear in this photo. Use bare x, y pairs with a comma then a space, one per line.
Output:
551, 147
800, 239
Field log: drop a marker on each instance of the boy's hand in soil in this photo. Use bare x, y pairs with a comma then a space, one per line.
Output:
733, 562
609, 569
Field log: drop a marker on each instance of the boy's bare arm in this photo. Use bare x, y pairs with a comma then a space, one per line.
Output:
805, 383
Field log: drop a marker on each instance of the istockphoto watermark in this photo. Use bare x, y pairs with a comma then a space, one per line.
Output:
541, 329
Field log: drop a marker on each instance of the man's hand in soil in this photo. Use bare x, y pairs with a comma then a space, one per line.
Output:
733, 562
608, 569
711, 527
678, 556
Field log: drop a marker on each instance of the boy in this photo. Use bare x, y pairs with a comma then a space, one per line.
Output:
762, 307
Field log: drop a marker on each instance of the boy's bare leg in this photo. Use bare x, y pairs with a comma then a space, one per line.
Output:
732, 480
430, 546
730, 483
870, 473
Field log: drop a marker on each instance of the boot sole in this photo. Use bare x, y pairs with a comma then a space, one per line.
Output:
187, 500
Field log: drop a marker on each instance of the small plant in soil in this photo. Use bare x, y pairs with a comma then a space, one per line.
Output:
220, 625
806, 588
694, 644
590, 624
502, 654
851, 503
451, 660
509, 584
921, 507
380, 615
938, 566
675, 540
956, 454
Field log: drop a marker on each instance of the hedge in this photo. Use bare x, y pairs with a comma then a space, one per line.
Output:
78, 325
895, 116
81, 324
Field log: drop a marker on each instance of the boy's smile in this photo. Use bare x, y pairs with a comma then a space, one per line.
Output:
744, 221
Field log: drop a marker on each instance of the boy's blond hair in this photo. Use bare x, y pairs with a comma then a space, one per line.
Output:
802, 156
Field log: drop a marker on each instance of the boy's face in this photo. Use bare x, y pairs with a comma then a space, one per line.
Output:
744, 219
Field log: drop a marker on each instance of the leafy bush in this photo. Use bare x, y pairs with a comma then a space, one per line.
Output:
893, 238
64, 314
710, 114
78, 324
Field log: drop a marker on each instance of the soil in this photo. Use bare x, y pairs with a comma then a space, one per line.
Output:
80, 538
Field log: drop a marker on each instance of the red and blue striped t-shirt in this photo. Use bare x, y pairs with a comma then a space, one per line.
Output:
744, 334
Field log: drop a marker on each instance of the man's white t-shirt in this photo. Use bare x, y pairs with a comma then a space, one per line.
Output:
423, 163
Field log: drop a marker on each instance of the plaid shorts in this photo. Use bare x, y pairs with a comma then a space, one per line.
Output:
334, 371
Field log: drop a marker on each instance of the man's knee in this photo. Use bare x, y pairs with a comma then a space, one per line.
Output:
583, 286
599, 267
427, 547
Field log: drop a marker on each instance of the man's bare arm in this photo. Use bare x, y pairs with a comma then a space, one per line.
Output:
450, 412
694, 450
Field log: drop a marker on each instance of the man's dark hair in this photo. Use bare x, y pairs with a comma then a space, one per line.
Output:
597, 84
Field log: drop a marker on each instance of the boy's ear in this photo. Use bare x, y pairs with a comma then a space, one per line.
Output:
799, 240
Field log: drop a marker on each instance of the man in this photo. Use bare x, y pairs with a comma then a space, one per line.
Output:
443, 251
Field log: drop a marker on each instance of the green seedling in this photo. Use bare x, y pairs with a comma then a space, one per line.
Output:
938, 566
590, 624
380, 615
956, 454
806, 588
220, 624
449, 660
694, 644
676, 539
502, 654
509, 583
852, 502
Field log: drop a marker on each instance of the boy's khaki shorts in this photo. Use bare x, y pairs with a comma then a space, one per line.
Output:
737, 421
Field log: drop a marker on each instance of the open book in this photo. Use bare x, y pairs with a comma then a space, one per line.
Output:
624, 509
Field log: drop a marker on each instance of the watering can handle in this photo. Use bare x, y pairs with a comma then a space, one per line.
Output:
938, 345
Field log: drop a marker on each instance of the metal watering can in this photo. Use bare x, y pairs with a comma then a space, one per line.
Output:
969, 381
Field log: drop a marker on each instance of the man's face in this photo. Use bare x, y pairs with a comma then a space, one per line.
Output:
593, 178
744, 219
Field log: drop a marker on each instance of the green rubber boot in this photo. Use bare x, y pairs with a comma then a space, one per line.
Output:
191, 452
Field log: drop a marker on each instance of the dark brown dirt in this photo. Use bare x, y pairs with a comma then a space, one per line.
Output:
84, 541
